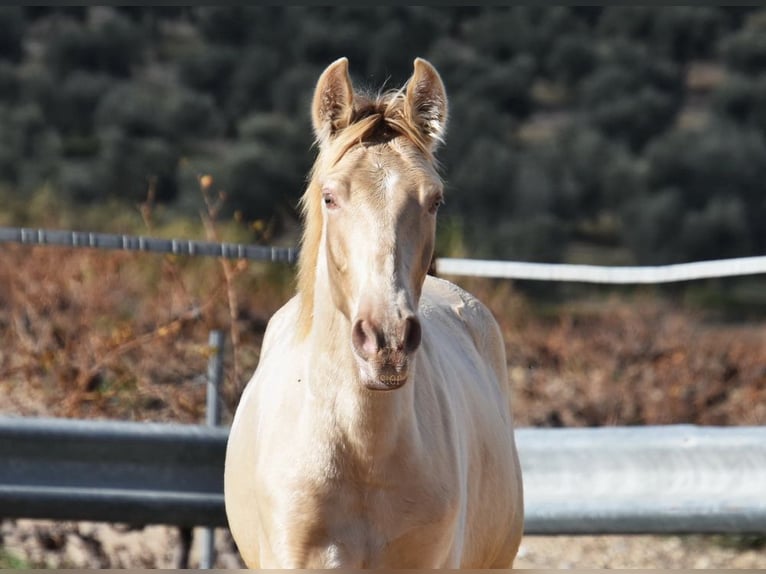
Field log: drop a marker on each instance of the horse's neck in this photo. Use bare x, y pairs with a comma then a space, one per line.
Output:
373, 423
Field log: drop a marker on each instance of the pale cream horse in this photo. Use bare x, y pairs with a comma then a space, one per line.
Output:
376, 430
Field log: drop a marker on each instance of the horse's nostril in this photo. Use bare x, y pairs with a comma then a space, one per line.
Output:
412, 334
367, 340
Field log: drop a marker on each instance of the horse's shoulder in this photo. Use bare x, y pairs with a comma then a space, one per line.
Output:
446, 296
281, 325
461, 308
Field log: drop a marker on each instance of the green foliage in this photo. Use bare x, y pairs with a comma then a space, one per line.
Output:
540, 237
260, 181
13, 27
10, 561
71, 105
709, 200
113, 46
745, 50
632, 96
102, 104
742, 99
572, 58
152, 109
209, 70
681, 33
129, 166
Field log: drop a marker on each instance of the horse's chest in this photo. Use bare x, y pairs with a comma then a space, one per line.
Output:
355, 523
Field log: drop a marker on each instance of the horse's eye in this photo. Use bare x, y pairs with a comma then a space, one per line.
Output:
329, 200
435, 204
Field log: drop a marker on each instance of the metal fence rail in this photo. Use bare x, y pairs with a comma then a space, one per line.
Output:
654, 479
136, 473
63, 238
671, 479
447, 266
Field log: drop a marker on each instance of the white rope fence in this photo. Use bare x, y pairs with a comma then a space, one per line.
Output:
602, 274
444, 266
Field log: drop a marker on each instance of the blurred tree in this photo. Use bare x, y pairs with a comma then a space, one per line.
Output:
13, 26
479, 183
680, 33
98, 101
326, 34
404, 33
742, 100
685, 33
703, 163
291, 94
745, 51
651, 224
231, 25
710, 182
249, 89
261, 181
718, 230
209, 70
500, 34
52, 12
571, 58
29, 151
631, 96
112, 46
537, 238
141, 109
128, 165
71, 108
9, 84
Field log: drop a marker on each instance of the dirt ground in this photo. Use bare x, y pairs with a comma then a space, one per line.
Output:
39, 543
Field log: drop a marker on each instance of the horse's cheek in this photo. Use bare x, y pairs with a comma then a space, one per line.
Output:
338, 271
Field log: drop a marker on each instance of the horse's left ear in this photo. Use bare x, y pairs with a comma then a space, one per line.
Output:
333, 101
427, 101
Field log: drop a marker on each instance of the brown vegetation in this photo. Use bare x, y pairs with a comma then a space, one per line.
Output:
88, 333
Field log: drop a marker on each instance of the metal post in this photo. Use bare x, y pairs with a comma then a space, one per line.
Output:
185, 535
214, 379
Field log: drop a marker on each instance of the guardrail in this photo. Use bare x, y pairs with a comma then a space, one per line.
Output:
136, 473
615, 480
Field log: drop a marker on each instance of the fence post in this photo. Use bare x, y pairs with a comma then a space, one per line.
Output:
214, 379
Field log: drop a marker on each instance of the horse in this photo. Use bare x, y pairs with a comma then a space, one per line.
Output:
376, 430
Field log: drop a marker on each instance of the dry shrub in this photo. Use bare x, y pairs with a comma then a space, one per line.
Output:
643, 362
87, 333
124, 335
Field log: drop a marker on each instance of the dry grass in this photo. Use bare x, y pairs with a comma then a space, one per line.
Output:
124, 335
621, 361
88, 333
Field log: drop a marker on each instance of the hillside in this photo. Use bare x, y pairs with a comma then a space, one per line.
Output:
619, 134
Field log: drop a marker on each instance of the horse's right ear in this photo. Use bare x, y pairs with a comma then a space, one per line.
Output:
333, 101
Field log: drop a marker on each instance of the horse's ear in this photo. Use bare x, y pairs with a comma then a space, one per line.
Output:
427, 100
333, 100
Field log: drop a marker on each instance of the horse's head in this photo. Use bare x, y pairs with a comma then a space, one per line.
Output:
371, 212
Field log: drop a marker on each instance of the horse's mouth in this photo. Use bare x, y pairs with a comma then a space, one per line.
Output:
386, 381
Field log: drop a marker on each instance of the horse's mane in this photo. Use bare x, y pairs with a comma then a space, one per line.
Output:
375, 120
